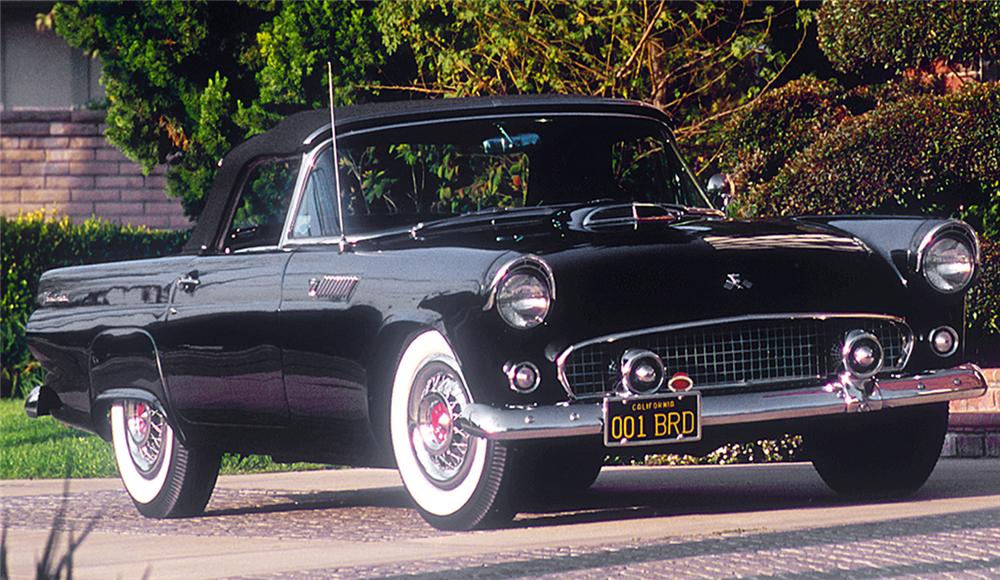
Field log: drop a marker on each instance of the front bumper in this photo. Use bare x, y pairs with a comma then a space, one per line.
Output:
838, 397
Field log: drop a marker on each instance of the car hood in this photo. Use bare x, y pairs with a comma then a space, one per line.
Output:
707, 268
633, 274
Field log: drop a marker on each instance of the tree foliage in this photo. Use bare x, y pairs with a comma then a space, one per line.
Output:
698, 62
859, 35
186, 81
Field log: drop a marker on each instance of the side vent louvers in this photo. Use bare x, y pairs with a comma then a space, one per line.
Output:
333, 288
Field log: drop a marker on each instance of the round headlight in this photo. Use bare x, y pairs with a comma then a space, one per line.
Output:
523, 299
949, 264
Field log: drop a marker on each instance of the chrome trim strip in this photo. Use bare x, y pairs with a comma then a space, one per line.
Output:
528, 260
585, 419
306, 166
561, 359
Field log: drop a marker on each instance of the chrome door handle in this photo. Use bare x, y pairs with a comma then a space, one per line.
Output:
188, 282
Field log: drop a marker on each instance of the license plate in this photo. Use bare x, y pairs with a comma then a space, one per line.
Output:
653, 420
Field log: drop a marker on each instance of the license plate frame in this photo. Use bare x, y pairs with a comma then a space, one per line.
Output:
633, 406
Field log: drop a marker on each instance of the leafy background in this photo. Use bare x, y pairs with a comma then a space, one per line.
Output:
848, 105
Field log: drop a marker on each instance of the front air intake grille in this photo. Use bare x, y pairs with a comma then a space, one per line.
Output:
742, 355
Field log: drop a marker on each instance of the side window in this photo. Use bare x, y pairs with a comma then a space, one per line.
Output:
260, 210
317, 213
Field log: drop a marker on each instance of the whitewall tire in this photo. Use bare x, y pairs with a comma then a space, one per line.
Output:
163, 477
457, 481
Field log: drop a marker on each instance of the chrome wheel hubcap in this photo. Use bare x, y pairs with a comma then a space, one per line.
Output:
145, 426
441, 448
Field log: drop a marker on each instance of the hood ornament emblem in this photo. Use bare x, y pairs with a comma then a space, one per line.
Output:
735, 281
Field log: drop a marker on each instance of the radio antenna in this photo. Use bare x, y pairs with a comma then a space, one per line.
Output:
336, 160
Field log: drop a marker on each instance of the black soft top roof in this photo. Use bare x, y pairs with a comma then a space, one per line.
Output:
300, 130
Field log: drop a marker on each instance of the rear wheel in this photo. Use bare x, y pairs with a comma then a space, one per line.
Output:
164, 477
882, 454
457, 481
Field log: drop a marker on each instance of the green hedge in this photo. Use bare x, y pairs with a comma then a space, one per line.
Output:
35, 242
919, 155
984, 308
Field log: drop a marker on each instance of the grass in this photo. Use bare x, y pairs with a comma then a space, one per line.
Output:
43, 448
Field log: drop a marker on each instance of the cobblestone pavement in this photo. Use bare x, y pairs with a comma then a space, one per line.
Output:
747, 522
955, 546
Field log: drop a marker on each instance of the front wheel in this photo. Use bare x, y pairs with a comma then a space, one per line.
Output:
882, 454
165, 478
457, 481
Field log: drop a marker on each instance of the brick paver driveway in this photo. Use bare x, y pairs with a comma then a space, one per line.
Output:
744, 521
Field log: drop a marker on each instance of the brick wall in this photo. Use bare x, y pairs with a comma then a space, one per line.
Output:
974, 424
60, 160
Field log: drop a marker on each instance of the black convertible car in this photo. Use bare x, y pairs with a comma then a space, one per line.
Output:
500, 293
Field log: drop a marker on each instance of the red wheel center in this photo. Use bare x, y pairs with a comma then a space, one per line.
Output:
138, 424
440, 422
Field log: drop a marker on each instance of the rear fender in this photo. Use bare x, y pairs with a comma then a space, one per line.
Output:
125, 364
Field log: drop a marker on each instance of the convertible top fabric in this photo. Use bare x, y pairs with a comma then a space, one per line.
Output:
292, 135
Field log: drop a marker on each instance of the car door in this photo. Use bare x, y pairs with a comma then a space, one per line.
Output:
323, 324
220, 350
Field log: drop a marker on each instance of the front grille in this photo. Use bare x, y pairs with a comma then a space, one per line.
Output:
744, 355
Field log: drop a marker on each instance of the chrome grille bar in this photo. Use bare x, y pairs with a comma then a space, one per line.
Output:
745, 353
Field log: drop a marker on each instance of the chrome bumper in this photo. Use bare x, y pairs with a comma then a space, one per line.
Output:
576, 419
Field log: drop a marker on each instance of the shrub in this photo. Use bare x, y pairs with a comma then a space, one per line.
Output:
859, 35
38, 241
984, 308
925, 154
780, 125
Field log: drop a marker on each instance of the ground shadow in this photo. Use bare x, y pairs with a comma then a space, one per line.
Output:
657, 492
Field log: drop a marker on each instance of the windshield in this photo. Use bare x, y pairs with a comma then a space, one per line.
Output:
402, 176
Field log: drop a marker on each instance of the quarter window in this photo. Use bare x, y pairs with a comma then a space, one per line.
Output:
260, 211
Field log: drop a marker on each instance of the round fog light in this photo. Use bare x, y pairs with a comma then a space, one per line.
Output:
523, 376
944, 341
642, 371
862, 354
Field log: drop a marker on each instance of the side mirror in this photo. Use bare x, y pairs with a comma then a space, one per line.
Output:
720, 190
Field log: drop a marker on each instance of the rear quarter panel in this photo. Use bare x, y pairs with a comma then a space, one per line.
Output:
97, 330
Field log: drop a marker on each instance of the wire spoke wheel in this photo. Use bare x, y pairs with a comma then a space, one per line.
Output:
437, 397
457, 481
145, 426
164, 477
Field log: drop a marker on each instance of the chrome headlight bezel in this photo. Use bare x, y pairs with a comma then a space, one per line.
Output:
528, 275
951, 237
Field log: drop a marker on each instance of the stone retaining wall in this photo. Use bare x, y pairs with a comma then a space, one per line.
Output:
61, 161
974, 426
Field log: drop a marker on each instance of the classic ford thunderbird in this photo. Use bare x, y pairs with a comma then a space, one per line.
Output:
492, 295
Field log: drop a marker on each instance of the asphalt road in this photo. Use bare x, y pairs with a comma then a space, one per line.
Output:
749, 521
